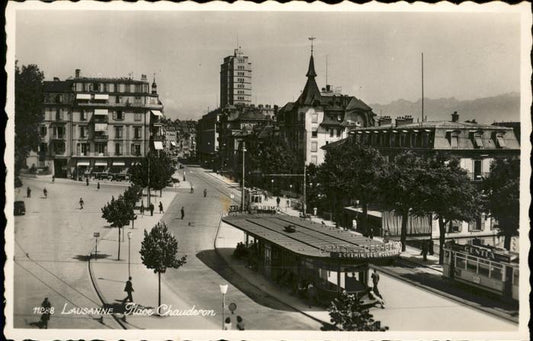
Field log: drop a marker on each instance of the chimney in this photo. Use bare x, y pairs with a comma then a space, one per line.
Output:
78, 73
384, 120
455, 117
143, 78
328, 87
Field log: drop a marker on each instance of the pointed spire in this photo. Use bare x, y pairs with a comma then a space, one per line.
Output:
311, 71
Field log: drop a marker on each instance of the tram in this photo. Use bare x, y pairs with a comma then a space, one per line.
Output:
489, 268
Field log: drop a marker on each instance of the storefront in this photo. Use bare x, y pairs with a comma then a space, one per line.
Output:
293, 251
485, 267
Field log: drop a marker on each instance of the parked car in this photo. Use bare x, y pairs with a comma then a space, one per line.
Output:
20, 208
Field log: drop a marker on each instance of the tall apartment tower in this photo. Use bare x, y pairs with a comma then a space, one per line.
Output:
236, 80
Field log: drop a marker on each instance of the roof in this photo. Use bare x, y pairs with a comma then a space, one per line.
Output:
312, 239
437, 124
310, 93
57, 86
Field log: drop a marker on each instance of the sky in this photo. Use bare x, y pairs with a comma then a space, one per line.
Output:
375, 56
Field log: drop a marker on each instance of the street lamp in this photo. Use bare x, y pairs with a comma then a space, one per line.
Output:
129, 248
223, 291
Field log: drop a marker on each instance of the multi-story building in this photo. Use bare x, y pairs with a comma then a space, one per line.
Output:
318, 118
171, 139
475, 145
98, 124
236, 80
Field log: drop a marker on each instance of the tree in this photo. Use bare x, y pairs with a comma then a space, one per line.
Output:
502, 190
132, 194
159, 251
404, 188
28, 111
347, 313
154, 171
450, 195
352, 171
118, 213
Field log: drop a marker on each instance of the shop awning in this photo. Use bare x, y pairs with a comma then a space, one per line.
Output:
158, 145
83, 163
101, 96
157, 113
96, 164
118, 163
83, 96
101, 112
100, 127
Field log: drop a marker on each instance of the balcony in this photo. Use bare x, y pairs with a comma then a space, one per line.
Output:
91, 154
59, 137
100, 119
100, 137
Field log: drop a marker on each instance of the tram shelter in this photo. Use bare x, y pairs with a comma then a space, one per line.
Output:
296, 251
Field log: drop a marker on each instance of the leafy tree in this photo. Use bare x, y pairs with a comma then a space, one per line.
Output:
450, 195
159, 251
132, 194
347, 313
28, 111
353, 171
118, 213
404, 188
502, 190
154, 171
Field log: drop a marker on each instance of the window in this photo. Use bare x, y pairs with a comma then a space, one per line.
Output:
117, 99
314, 132
43, 148
314, 159
500, 142
483, 267
135, 149
314, 146
118, 149
59, 147
83, 115
471, 264
496, 271
454, 226
59, 115
84, 148
137, 132
83, 132
339, 130
314, 117
460, 261
475, 225
43, 131
454, 140
477, 169
330, 132
138, 116
477, 141
100, 148
119, 115
118, 132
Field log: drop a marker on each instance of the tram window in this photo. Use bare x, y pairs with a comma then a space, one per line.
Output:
472, 264
496, 272
460, 262
483, 268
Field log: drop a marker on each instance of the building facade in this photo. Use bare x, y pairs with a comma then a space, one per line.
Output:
207, 138
236, 80
98, 124
318, 118
474, 145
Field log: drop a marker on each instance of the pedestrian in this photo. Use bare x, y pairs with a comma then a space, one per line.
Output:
278, 200
81, 203
161, 208
46, 311
53, 178
240, 323
98, 185
205, 192
354, 224
87, 180
182, 212
129, 289
151, 209
142, 208
311, 293
424, 250
375, 281
227, 324
45, 192
192, 189
430, 247
375, 295
371, 232
28, 192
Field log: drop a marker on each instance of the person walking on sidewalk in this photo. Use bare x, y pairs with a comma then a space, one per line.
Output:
46, 311
161, 208
227, 324
98, 185
142, 208
182, 212
424, 252
87, 181
192, 189
205, 192
45, 192
375, 281
278, 200
240, 323
129, 289
81, 203
151, 209
28, 192
53, 178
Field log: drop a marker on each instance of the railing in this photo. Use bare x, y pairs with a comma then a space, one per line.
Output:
91, 154
100, 137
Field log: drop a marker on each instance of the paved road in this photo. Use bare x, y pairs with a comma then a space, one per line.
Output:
197, 283
51, 242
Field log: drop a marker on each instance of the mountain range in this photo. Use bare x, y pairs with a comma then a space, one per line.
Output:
500, 108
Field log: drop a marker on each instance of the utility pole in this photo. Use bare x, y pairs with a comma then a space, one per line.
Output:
243, 174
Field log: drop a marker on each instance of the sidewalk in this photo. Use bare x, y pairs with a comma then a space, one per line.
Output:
109, 276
